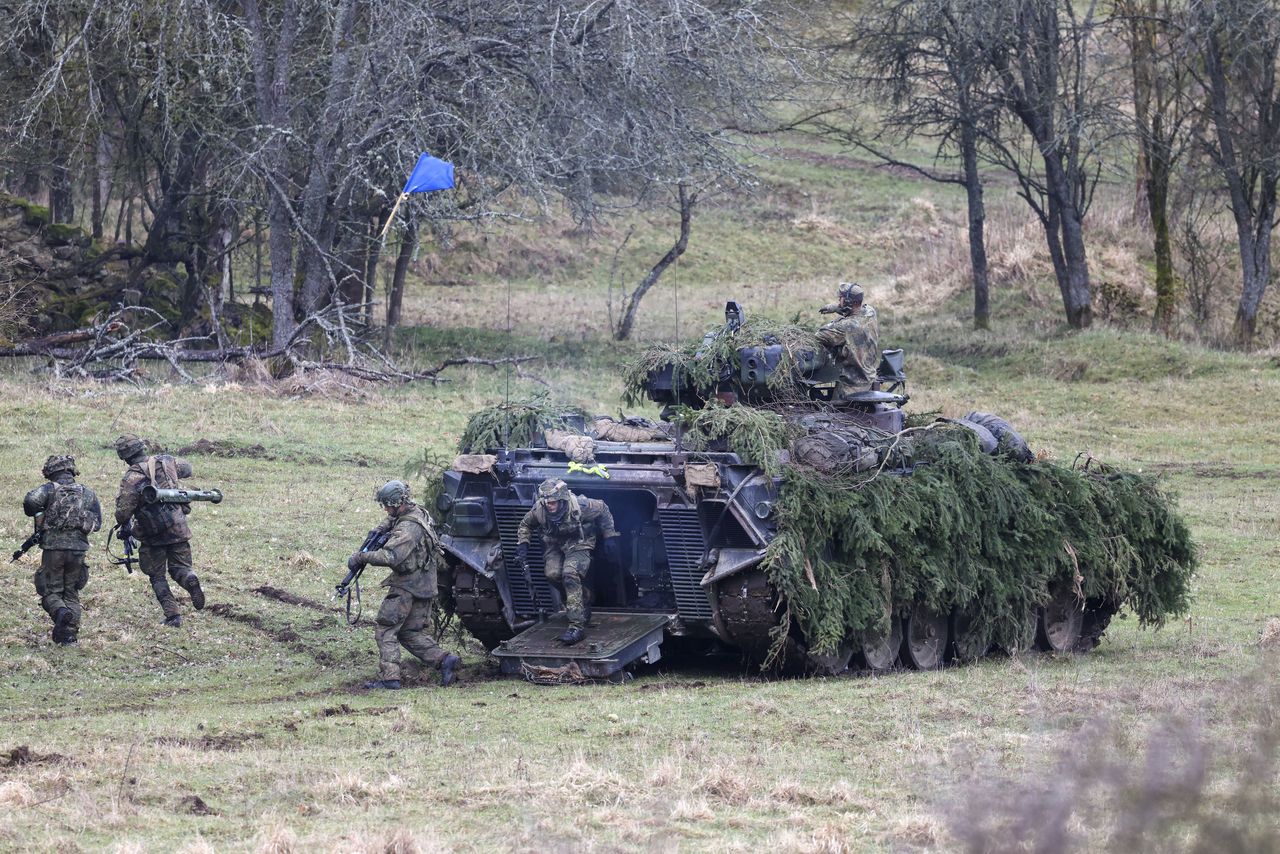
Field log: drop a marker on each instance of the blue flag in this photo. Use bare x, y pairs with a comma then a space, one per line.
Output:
431, 173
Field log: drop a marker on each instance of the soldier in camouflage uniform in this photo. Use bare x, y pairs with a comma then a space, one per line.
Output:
853, 340
161, 528
67, 512
410, 553
570, 525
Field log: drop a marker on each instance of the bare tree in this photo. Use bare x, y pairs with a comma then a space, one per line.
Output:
1163, 104
1046, 69
315, 110
1238, 45
631, 303
926, 60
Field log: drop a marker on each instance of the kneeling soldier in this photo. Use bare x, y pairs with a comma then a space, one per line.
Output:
410, 553
570, 525
161, 528
67, 513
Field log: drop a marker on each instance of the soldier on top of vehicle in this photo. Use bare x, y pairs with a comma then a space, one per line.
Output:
65, 513
161, 528
571, 526
853, 339
410, 553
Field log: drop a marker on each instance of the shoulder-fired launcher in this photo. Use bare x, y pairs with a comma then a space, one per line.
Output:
153, 495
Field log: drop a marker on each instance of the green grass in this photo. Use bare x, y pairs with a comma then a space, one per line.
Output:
254, 707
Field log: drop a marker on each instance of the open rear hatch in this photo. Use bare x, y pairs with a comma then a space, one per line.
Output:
614, 640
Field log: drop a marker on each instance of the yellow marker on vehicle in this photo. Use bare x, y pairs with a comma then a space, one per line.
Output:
598, 469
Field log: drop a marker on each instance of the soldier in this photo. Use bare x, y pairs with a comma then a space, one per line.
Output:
410, 552
853, 340
67, 512
161, 528
570, 525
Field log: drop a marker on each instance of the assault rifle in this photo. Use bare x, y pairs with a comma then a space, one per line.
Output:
36, 539
349, 586
836, 308
125, 536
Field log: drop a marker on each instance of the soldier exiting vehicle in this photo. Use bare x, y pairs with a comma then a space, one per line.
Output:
65, 513
853, 340
570, 525
410, 553
161, 528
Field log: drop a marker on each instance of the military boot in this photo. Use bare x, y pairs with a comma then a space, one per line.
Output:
62, 632
449, 670
389, 684
174, 622
192, 585
572, 635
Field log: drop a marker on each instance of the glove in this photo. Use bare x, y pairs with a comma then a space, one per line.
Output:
522, 554
357, 560
613, 551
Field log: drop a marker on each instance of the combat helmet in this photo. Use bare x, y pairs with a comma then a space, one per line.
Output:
393, 493
851, 294
552, 489
129, 446
59, 463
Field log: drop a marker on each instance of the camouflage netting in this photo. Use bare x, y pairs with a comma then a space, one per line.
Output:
985, 534
516, 424
699, 364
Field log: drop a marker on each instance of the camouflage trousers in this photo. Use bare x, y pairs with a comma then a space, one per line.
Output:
61, 576
569, 570
175, 560
402, 622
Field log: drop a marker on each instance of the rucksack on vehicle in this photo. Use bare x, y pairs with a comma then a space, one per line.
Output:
69, 510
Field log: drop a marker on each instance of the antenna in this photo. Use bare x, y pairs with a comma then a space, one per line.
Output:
506, 396
675, 368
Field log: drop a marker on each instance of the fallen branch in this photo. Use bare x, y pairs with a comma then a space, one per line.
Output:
113, 348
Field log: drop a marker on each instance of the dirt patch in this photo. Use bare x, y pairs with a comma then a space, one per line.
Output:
343, 709
223, 448
195, 805
24, 755
671, 686
288, 598
230, 741
285, 635
1214, 470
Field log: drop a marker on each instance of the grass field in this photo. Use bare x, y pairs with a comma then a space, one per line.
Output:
247, 729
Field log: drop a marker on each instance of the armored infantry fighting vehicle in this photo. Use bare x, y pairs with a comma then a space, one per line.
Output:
697, 520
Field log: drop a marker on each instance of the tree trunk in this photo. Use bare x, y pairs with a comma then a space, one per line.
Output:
1073, 274
271, 72
62, 197
977, 226
1166, 284
1255, 264
316, 215
408, 242
101, 185
632, 303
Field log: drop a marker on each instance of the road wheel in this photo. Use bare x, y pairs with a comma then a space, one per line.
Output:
1060, 623
924, 639
880, 647
968, 643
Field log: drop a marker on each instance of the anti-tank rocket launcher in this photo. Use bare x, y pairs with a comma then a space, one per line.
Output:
156, 495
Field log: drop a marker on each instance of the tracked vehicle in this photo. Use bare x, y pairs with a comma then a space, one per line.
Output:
695, 527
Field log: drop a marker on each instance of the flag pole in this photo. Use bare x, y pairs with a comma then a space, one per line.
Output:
383, 235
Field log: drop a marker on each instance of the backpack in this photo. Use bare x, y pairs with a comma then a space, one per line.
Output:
69, 510
155, 520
